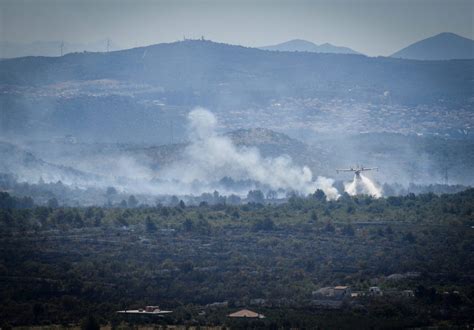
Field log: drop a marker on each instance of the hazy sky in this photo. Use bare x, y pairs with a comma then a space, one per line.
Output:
373, 27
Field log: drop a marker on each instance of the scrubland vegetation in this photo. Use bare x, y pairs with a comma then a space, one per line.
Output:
60, 265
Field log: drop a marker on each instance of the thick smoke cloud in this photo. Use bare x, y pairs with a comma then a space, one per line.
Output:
211, 156
209, 162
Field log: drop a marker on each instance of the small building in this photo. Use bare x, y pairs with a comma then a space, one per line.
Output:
331, 297
337, 293
375, 291
341, 291
325, 292
356, 294
245, 313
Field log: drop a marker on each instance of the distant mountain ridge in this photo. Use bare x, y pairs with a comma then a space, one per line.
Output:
141, 91
443, 46
299, 45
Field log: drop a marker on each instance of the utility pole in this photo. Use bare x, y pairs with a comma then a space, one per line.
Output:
446, 167
62, 47
171, 131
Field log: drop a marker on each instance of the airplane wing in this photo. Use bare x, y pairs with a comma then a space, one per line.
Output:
344, 170
370, 168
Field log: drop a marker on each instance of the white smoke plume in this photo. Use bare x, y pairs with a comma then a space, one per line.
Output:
362, 185
210, 157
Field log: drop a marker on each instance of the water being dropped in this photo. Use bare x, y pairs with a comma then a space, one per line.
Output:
362, 185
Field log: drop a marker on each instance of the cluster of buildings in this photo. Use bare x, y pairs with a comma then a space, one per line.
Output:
355, 117
326, 297
156, 311
333, 297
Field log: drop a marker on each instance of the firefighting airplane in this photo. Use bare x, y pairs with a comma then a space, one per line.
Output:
357, 170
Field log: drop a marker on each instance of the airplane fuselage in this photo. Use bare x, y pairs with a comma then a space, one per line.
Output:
357, 170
